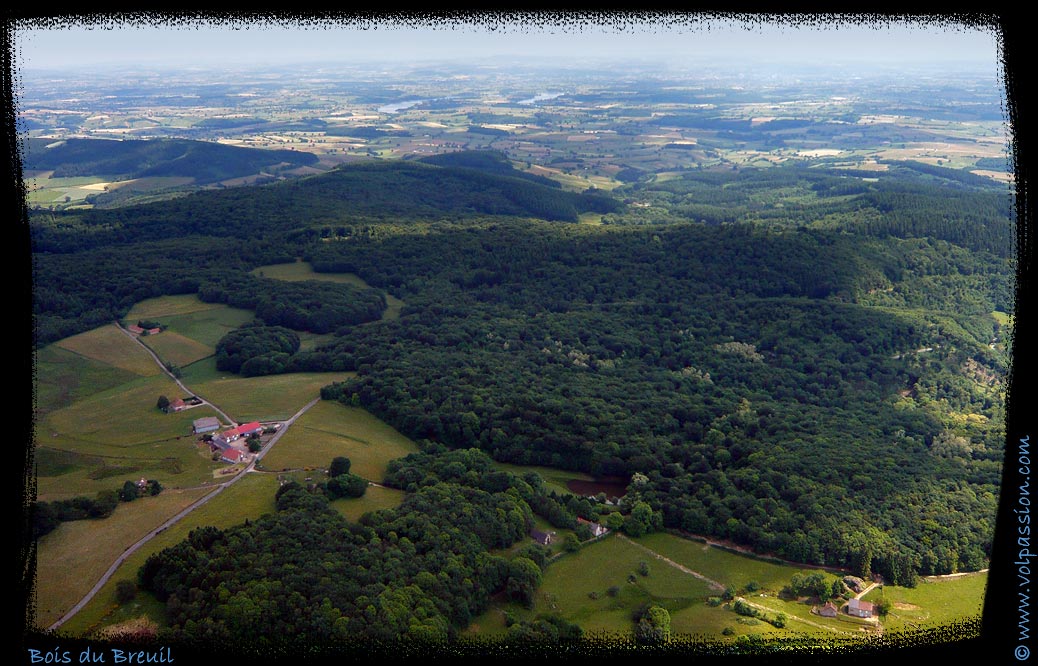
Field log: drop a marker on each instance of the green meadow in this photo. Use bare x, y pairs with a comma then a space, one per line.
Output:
722, 565
72, 558
375, 498
97, 442
578, 587
109, 345
187, 316
63, 377
933, 602
599, 588
249, 498
331, 429
177, 349
269, 398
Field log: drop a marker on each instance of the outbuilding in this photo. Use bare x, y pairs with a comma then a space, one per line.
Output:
206, 424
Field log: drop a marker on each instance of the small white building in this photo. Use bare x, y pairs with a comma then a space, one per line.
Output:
859, 608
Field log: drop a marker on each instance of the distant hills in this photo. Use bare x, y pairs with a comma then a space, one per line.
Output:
204, 161
393, 190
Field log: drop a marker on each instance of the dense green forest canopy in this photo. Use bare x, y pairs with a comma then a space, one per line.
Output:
802, 360
420, 571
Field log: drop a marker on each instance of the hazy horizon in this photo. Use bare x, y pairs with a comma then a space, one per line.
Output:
894, 43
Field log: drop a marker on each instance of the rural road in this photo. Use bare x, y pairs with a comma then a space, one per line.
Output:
186, 390
175, 519
791, 617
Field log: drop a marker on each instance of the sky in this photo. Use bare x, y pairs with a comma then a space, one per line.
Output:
205, 42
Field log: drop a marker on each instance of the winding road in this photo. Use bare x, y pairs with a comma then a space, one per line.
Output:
200, 502
162, 365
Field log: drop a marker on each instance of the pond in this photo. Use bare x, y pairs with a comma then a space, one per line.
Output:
612, 486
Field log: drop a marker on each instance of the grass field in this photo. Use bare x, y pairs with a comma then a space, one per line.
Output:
332, 429
720, 565
1003, 318
250, 498
151, 183
185, 315
934, 603
97, 442
73, 557
570, 582
120, 417
375, 498
177, 349
63, 377
270, 398
311, 341
108, 344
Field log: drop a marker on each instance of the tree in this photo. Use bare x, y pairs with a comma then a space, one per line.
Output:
643, 568
163, 403
254, 444
154, 487
340, 465
125, 591
654, 626
129, 492
346, 485
524, 577
743, 608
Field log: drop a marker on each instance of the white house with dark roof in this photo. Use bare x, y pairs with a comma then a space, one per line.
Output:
596, 529
859, 608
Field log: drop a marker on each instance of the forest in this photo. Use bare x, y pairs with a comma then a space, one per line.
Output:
816, 380
306, 574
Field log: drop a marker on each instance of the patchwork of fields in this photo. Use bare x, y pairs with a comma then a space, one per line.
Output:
97, 426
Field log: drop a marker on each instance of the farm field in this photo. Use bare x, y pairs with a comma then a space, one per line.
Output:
94, 442
721, 565
249, 498
186, 315
63, 377
311, 341
108, 344
177, 349
42, 190
74, 556
331, 429
267, 398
